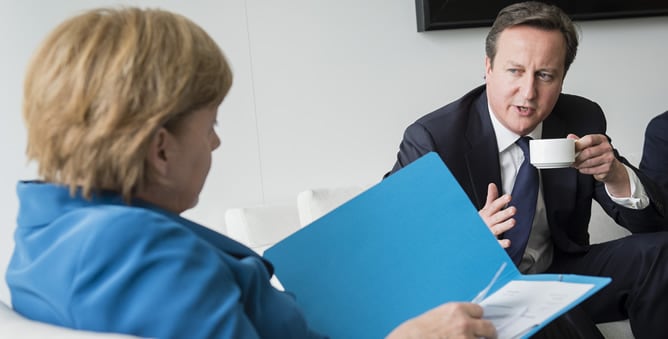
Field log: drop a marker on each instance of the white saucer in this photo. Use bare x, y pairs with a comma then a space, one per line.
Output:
549, 165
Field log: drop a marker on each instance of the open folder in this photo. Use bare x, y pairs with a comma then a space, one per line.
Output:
406, 245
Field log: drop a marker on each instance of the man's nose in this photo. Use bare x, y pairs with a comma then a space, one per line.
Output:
528, 89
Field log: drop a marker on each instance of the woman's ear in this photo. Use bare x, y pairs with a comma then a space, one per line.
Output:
157, 152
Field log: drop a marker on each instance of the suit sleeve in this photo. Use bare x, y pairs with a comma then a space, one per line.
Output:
649, 219
654, 161
417, 142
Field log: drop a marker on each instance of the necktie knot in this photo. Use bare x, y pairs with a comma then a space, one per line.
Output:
523, 142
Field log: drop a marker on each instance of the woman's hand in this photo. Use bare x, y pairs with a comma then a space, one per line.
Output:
450, 320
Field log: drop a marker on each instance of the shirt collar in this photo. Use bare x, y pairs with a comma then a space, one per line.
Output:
505, 137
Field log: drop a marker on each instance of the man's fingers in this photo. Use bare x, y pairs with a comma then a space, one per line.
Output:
497, 205
492, 193
502, 227
501, 216
505, 243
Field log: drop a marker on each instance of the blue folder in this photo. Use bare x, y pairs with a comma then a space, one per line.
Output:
406, 245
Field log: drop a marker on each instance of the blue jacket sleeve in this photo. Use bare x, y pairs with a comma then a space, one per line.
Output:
154, 278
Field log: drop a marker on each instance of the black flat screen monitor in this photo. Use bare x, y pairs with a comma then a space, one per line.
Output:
448, 14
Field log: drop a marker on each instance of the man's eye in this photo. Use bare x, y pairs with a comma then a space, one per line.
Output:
545, 76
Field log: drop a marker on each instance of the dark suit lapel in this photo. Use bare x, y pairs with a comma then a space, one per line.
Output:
554, 126
482, 159
559, 185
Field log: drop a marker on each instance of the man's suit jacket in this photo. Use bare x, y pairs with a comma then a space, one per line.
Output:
654, 161
462, 134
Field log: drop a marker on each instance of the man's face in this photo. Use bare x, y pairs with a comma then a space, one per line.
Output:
526, 76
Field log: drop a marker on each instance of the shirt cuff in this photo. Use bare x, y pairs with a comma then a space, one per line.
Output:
638, 199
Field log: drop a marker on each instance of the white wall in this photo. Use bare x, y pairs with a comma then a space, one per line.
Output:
324, 89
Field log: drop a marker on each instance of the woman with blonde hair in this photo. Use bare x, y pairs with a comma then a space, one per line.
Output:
120, 107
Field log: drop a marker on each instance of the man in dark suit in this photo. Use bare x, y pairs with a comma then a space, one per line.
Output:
481, 138
654, 161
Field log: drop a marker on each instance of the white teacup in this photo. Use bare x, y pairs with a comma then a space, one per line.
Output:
552, 153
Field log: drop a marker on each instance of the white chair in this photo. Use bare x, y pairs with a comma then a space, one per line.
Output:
13, 325
616, 330
314, 203
260, 227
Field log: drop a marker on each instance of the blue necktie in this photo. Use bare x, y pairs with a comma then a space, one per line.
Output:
524, 195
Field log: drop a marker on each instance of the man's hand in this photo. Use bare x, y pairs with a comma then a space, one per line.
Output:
595, 156
498, 218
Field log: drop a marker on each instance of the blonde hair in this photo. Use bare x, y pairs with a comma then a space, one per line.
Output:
101, 85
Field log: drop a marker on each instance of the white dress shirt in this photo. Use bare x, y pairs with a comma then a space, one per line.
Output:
538, 254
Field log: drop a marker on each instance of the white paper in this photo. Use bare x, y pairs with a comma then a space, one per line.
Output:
521, 305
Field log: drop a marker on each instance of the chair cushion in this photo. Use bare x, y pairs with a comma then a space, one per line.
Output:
259, 227
16, 326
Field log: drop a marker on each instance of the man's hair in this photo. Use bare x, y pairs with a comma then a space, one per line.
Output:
534, 14
103, 82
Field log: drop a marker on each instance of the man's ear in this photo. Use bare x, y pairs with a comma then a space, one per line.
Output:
488, 66
157, 152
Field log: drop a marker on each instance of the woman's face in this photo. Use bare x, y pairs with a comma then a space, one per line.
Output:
188, 153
